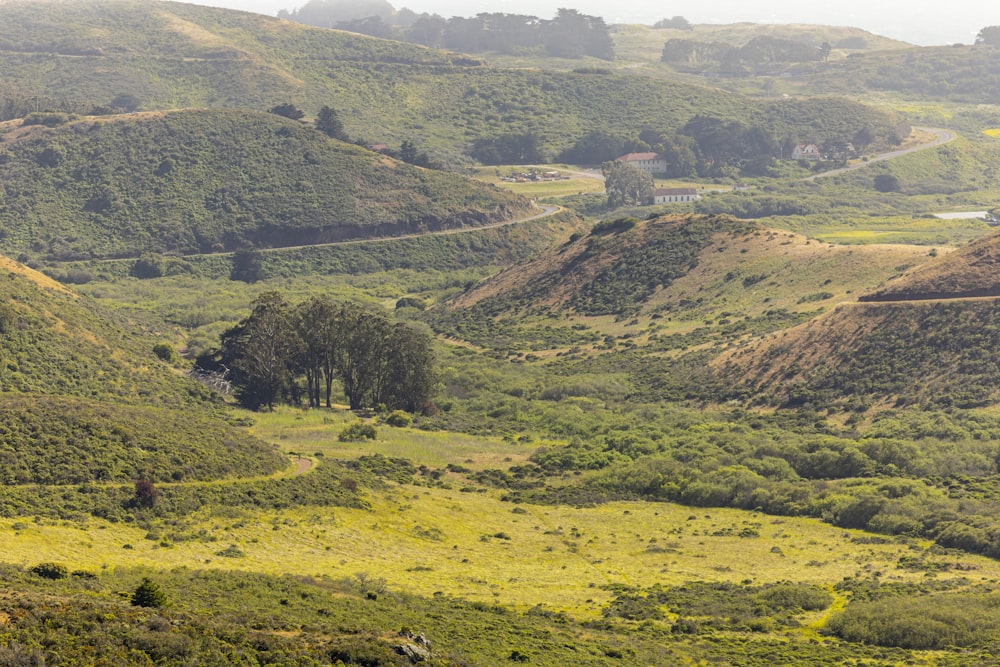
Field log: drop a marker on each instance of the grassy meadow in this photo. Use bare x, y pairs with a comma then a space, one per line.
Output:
463, 540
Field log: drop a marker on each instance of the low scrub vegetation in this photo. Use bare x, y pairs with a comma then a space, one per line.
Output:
225, 185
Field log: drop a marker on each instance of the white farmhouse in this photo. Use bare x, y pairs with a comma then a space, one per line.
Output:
675, 195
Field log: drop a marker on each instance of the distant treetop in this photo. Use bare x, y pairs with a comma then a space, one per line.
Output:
989, 36
675, 23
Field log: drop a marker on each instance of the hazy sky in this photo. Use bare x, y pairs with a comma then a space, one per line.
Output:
917, 21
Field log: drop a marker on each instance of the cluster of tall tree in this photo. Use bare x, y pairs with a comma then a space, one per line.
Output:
674, 23
704, 146
569, 34
511, 148
760, 55
284, 352
710, 147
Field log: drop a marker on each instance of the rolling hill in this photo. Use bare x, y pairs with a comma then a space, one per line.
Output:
197, 181
676, 274
970, 271
926, 337
959, 73
83, 398
76, 56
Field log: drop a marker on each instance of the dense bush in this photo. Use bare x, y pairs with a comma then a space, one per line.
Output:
398, 418
356, 431
925, 622
52, 440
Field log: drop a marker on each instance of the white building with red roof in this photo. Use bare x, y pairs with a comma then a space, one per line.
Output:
651, 163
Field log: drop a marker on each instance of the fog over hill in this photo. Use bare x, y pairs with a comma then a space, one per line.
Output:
920, 22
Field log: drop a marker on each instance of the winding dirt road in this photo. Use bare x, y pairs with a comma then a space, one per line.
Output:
942, 137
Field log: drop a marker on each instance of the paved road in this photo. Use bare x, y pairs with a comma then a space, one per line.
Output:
941, 137
546, 211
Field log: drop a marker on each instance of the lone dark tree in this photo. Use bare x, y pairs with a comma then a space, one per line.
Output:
887, 183
824, 51
409, 153
626, 184
148, 594
146, 494
288, 110
329, 123
247, 266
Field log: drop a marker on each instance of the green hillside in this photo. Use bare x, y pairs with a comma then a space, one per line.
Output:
926, 337
198, 181
614, 270
85, 55
964, 74
84, 398
56, 343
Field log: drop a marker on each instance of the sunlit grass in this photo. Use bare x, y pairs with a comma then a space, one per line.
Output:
472, 545
897, 229
315, 431
871, 236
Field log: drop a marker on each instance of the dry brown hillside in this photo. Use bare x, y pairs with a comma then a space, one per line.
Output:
972, 271
690, 267
928, 336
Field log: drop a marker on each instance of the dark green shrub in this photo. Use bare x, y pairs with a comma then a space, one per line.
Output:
887, 183
411, 302
164, 351
247, 266
50, 571
146, 494
148, 594
51, 156
613, 226
149, 265
921, 623
232, 551
365, 652
795, 596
